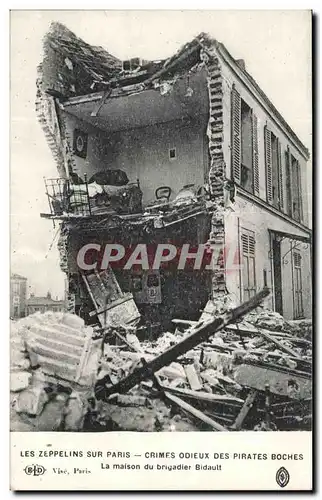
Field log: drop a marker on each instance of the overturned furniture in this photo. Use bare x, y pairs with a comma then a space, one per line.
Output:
112, 306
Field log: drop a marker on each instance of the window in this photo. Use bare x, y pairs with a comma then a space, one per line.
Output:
294, 206
246, 148
248, 264
288, 180
297, 285
244, 144
265, 277
296, 190
172, 153
16, 288
274, 170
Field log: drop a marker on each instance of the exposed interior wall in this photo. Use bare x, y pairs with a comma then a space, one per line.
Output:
264, 118
183, 293
144, 153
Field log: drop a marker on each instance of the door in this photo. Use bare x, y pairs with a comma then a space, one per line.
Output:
277, 265
297, 285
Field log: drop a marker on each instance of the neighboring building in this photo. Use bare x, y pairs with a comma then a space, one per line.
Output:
18, 295
199, 120
43, 304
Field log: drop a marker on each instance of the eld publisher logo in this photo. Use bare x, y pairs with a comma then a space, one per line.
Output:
282, 477
34, 470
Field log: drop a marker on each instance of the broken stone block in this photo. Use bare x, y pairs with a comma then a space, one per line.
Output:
19, 381
210, 377
172, 371
31, 401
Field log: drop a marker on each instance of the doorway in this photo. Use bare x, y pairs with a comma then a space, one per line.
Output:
277, 266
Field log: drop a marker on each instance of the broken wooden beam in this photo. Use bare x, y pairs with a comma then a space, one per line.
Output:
194, 412
237, 425
199, 333
206, 397
268, 336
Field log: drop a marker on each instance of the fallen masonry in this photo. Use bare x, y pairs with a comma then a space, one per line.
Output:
247, 369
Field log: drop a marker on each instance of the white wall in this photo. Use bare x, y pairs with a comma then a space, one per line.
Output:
257, 219
229, 78
143, 153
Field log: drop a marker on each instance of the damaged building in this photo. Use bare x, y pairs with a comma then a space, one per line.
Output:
181, 154
185, 150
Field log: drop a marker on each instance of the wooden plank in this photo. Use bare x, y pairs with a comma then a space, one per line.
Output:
203, 396
193, 378
194, 412
237, 425
251, 329
268, 336
198, 334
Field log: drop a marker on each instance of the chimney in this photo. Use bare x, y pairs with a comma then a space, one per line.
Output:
241, 64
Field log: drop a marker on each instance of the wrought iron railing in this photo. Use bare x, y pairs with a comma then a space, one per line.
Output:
65, 197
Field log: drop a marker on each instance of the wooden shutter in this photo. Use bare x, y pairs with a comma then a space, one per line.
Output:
268, 162
236, 135
248, 243
248, 263
288, 178
255, 154
299, 190
280, 172
297, 259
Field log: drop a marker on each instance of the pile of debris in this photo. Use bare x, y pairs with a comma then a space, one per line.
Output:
250, 375
244, 369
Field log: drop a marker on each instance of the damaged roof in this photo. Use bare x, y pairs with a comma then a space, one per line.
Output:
72, 67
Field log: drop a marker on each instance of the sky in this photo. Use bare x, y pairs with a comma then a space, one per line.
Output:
275, 45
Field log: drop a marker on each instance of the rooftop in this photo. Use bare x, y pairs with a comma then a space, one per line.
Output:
15, 276
73, 68
48, 300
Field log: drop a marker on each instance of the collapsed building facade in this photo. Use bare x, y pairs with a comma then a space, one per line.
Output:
178, 155
183, 150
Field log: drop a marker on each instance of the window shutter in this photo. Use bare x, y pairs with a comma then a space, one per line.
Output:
236, 135
255, 154
268, 162
244, 239
280, 170
248, 244
288, 179
297, 259
300, 194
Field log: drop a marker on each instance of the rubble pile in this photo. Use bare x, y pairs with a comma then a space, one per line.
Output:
249, 374
245, 377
